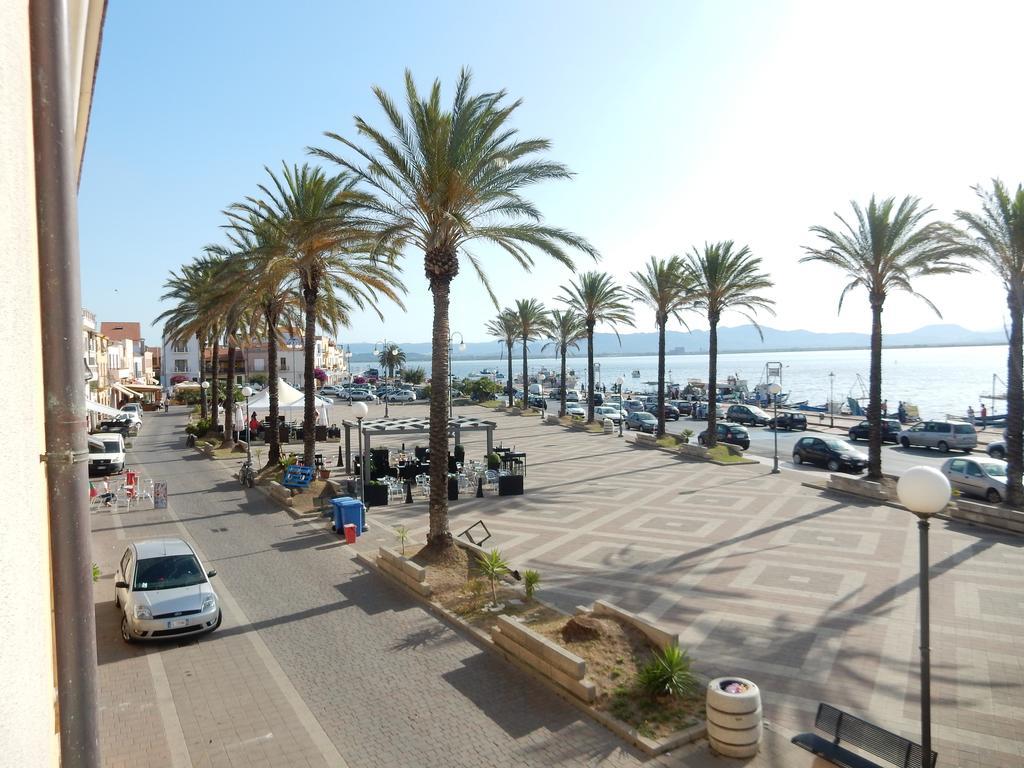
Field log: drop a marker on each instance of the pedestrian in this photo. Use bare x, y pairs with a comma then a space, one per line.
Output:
254, 424
885, 407
901, 413
970, 414
984, 415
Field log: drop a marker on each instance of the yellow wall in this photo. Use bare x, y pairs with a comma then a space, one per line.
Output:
26, 651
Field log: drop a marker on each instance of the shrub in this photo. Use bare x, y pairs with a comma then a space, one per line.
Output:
198, 428
686, 435
95, 573
481, 389
668, 673
287, 460
493, 461
414, 375
493, 566
402, 534
530, 580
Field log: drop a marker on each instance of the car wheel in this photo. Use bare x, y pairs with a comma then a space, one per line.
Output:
700, 439
904, 442
998, 453
833, 465
853, 437
126, 635
943, 446
993, 496
798, 459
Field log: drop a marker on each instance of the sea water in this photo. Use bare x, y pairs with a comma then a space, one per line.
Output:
938, 380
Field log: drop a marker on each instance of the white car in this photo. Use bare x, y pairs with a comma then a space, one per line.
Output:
978, 477
574, 409
162, 590
133, 420
603, 412
364, 395
106, 453
331, 391
940, 434
135, 408
402, 396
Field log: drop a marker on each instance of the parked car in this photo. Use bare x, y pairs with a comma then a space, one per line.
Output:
603, 412
572, 396
789, 421
940, 434
629, 406
982, 477
747, 414
163, 591
598, 398
829, 452
331, 391
575, 409
997, 450
733, 434
685, 407
135, 408
402, 396
671, 412
890, 431
363, 395
700, 411
106, 454
537, 401
641, 420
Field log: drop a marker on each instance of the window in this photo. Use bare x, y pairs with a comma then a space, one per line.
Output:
180, 346
284, 363
180, 366
958, 465
259, 364
973, 470
125, 560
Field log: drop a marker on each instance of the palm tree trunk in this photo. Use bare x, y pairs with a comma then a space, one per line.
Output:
590, 372
202, 375
309, 297
661, 375
1015, 400
511, 387
229, 398
215, 419
561, 399
439, 535
526, 380
274, 432
712, 436
875, 393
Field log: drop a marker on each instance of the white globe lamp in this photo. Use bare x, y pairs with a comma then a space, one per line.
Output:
923, 490
360, 410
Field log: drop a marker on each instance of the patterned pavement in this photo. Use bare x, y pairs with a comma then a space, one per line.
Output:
813, 596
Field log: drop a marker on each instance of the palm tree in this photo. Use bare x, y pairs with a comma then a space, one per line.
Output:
390, 358
884, 249
441, 179
566, 330
664, 286
320, 223
998, 241
723, 278
506, 327
597, 299
533, 324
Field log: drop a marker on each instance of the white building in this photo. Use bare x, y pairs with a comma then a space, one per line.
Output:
179, 359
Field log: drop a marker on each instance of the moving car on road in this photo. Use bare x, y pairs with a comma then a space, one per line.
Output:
162, 590
829, 452
641, 420
997, 450
575, 409
985, 478
537, 401
940, 434
890, 431
733, 434
789, 421
671, 412
747, 414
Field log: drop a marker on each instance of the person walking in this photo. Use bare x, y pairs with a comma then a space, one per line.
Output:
984, 415
970, 414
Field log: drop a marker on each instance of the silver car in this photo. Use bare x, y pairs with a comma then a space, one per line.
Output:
603, 412
162, 590
982, 477
940, 434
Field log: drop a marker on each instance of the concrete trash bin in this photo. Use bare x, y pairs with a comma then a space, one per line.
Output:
609, 427
734, 716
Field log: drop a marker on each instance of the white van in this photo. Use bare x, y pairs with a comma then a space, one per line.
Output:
106, 453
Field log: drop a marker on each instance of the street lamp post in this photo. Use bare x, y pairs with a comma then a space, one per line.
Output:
462, 348
620, 381
924, 491
831, 397
205, 386
384, 346
774, 389
247, 393
360, 410
348, 371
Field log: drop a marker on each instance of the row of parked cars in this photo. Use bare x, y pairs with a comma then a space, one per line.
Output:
106, 444
369, 393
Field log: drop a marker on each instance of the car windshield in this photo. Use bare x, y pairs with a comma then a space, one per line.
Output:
840, 445
758, 412
168, 572
994, 470
646, 417
111, 446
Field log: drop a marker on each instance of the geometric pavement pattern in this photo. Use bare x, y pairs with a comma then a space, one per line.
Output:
815, 597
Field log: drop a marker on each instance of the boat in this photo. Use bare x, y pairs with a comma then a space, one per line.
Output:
636, 374
803, 406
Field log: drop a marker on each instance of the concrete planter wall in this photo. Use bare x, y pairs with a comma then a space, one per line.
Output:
642, 438
997, 517
545, 657
858, 487
281, 493
405, 571
693, 451
658, 637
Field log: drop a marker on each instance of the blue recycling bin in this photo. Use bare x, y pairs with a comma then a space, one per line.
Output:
348, 510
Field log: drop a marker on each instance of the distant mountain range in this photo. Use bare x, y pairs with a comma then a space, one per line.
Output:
743, 338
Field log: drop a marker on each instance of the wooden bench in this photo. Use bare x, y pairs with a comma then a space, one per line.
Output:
844, 727
297, 477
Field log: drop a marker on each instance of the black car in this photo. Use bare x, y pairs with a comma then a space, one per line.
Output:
671, 412
747, 414
733, 434
538, 402
890, 431
789, 421
685, 407
829, 452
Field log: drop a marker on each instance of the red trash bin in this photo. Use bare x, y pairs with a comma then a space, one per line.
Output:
350, 534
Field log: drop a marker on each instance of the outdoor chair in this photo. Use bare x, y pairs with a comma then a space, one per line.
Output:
491, 479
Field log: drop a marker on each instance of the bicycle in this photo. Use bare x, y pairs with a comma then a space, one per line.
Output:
247, 475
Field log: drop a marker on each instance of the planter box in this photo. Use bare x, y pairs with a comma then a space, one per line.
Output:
1003, 518
408, 573
658, 636
693, 451
376, 495
510, 485
281, 493
542, 655
642, 438
550, 418
864, 488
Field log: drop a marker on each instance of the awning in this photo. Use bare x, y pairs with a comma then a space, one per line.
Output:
105, 410
124, 390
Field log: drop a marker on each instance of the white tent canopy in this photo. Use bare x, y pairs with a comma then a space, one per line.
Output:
104, 410
291, 402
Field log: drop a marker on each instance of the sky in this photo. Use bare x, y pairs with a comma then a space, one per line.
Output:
683, 122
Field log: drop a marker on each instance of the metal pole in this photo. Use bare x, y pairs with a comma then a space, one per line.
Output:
451, 408
926, 675
831, 397
60, 323
362, 464
248, 434
775, 430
